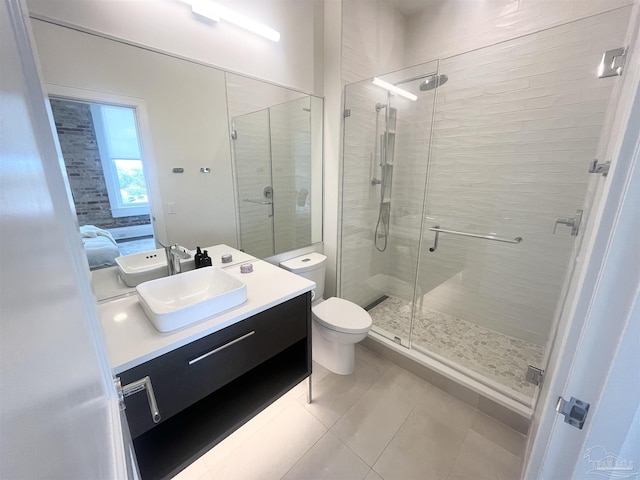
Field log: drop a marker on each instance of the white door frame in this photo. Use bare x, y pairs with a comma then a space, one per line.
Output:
70, 313
603, 291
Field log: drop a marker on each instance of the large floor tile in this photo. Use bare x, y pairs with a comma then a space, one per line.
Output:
196, 471
273, 450
335, 394
441, 406
371, 423
373, 476
366, 355
481, 459
427, 444
300, 390
244, 433
500, 434
329, 459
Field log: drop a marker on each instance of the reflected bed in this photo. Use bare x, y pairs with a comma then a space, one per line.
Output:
99, 245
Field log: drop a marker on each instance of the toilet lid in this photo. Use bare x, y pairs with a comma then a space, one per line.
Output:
342, 316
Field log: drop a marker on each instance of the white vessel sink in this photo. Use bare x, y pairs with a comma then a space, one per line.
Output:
144, 266
176, 301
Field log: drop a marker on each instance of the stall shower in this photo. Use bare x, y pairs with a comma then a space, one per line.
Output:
463, 186
272, 154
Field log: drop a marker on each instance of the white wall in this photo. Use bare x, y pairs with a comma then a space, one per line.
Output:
58, 407
169, 25
332, 137
449, 27
186, 105
373, 39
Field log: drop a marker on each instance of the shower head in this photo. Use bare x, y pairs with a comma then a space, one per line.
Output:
432, 82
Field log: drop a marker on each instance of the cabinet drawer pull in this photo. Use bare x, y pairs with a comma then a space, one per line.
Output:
222, 347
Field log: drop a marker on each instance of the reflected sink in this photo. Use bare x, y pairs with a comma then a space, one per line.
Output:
144, 266
179, 300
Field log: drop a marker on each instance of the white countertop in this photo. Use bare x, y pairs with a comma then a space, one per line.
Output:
131, 339
108, 284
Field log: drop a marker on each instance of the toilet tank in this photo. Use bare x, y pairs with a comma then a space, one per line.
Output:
311, 266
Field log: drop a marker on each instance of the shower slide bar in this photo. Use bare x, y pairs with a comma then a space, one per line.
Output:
438, 230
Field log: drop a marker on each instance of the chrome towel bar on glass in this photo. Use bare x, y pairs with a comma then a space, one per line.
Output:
259, 202
438, 230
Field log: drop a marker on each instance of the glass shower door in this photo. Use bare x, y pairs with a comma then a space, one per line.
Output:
252, 155
291, 166
517, 125
386, 147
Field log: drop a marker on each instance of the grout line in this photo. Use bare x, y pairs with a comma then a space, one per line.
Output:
305, 452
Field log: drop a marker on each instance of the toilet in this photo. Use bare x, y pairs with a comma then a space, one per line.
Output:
337, 325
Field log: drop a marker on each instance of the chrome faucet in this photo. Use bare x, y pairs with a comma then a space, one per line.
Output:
174, 255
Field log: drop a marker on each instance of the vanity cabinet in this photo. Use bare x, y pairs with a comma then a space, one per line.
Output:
210, 387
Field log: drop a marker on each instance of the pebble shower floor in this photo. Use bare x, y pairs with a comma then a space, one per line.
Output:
492, 354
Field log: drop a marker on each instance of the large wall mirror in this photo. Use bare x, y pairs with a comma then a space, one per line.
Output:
171, 150
276, 135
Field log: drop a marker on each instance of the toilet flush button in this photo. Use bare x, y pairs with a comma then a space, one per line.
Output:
246, 268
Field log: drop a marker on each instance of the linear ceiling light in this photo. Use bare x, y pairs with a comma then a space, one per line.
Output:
394, 89
217, 12
204, 8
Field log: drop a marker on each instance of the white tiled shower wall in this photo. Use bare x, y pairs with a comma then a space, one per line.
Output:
273, 148
252, 157
515, 127
291, 170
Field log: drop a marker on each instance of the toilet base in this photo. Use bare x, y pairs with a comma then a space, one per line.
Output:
336, 357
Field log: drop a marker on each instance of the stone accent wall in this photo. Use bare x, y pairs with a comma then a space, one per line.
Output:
84, 169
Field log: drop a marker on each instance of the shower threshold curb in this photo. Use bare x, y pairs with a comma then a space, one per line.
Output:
479, 396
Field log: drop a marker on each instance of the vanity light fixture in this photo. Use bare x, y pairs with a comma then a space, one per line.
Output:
394, 89
216, 12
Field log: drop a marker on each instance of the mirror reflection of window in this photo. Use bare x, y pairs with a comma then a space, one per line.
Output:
103, 157
121, 159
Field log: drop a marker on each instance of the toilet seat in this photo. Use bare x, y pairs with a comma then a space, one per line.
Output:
342, 316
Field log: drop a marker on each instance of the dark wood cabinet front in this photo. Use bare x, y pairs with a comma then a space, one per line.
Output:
189, 374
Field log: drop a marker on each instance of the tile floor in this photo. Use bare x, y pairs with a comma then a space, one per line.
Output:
379, 423
493, 354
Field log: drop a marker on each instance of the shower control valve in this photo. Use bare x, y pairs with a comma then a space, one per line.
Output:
375, 181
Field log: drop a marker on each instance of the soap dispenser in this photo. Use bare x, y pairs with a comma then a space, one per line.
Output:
198, 257
206, 260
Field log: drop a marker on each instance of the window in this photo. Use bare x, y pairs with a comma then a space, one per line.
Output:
122, 162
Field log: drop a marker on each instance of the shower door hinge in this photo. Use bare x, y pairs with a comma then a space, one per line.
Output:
612, 63
574, 411
602, 168
534, 375
234, 135
347, 112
